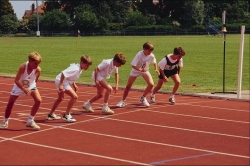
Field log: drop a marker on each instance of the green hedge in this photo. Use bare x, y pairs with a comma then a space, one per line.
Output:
154, 27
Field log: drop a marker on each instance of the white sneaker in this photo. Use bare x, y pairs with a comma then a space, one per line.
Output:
4, 125
107, 111
33, 125
121, 104
68, 118
144, 101
172, 100
87, 107
53, 117
152, 98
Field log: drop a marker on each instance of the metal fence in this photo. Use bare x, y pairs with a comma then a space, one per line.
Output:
122, 33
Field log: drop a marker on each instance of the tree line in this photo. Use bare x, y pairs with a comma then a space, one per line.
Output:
110, 15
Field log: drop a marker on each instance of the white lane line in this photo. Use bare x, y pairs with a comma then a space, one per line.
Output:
194, 116
158, 143
80, 152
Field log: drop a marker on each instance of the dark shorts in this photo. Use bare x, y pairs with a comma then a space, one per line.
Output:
169, 73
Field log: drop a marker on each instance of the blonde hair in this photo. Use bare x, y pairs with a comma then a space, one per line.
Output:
86, 59
34, 56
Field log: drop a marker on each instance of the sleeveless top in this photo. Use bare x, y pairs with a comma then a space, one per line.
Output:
28, 80
169, 65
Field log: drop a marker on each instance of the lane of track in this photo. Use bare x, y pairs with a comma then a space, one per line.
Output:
196, 130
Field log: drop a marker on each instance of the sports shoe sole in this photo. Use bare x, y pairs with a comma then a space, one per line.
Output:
4, 127
107, 113
120, 106
34, 128
70, 121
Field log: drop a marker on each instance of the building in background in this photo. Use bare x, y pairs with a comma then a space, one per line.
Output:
34, 10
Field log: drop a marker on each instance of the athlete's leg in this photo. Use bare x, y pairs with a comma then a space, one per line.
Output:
12, 100
72, 100
130, 82
37, 99
148, 78
177, 81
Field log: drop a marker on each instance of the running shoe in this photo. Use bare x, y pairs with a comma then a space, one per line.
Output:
121, 104
68, 118
53, 117
152, 98
4, 125
33, 125
107, 111
172, 100
87, 107
144, 101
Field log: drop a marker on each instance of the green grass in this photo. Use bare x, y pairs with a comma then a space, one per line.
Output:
203, 62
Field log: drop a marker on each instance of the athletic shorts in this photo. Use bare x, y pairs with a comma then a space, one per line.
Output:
99, 78
16, 91
169, 73
66, 86
138, 73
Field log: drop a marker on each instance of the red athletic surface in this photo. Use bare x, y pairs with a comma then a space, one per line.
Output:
194, 131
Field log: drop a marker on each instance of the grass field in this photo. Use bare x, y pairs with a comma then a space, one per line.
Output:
203, 62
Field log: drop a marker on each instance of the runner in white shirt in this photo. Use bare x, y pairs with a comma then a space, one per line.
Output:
99, 76
140, 67
170, 66
64, 83
25, 84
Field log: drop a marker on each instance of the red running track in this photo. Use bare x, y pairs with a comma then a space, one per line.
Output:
195, 131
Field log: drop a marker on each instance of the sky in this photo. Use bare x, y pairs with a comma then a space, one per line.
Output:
20, 6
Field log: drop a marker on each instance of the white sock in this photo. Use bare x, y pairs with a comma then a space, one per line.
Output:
30, 119
171, 96
6, 120
105, 104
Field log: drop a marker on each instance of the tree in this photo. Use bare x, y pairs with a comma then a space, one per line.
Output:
8, 19
194, 12
6, 8
104, 10
24, 25
32, 23
85, 18
136, 18
55, 20
119, 10
9, 23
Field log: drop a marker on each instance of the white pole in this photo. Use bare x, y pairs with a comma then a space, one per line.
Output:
240, 61
224, 17
37, 20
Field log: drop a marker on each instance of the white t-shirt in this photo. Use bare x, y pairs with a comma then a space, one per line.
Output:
143, 61
106, 67
71, 74
164, 66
